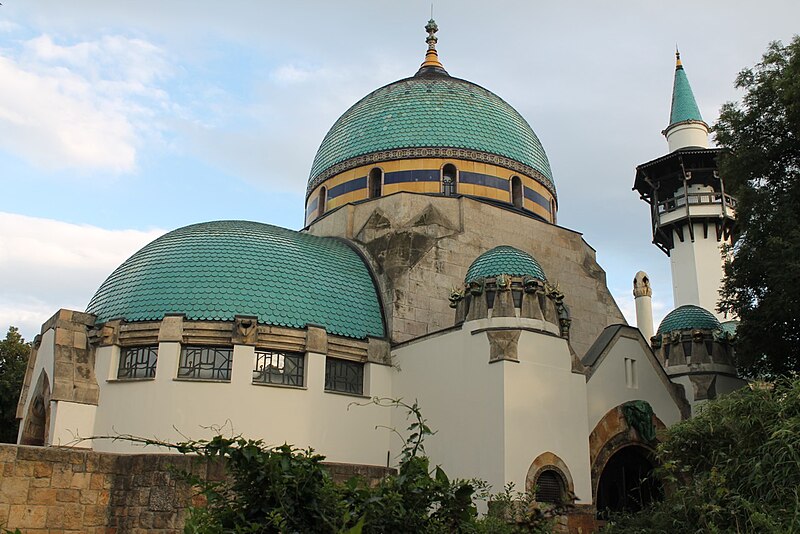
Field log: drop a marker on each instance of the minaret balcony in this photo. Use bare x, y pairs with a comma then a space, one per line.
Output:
696, 205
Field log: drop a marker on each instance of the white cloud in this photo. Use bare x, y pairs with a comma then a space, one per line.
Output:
84, 106
46, 265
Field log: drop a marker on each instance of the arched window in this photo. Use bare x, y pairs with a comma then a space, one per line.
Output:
550, 487
375, 182
323, 194
553, 210
449, 179
516, 191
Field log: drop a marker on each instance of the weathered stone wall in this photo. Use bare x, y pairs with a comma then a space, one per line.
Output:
46, 489
421, 246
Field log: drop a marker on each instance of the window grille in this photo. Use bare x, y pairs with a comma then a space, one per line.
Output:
137, 362
344, 376
278, 368
205, 363
550, 487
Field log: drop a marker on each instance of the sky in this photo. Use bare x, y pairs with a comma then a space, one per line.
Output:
120, 121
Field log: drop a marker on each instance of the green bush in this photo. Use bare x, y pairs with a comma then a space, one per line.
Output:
733, 468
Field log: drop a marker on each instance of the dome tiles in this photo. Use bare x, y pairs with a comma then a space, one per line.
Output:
217, 270
688, 317
431, 110
507, 260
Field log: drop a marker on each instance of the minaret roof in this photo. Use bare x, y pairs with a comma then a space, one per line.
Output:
684, 106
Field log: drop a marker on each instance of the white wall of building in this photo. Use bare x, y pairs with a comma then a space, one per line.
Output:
616, 381
494, 419
687, 134
697, 269
170, 409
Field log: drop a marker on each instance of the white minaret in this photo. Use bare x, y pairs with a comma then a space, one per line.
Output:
692, 216
643, 299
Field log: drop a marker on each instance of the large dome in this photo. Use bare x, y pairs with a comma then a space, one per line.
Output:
431, 110
688, 317
217, 270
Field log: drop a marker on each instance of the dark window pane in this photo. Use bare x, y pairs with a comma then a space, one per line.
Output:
549, 487
344, 376
205, 363
137, 362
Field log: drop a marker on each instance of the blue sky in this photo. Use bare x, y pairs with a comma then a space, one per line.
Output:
120, 120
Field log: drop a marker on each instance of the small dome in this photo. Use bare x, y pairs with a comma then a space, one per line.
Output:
504, 260
217, 270
431, 110
688, 317
729, 327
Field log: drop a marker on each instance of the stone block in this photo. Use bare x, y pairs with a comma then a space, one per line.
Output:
8, 453
68, 495
14, 490
42, 469
23, 468
80, 481
95, 516
171, 329
87, 496
316, 339
26, 517
55, 517
46, 496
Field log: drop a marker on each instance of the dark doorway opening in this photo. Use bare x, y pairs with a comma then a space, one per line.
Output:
449, 179
627, 483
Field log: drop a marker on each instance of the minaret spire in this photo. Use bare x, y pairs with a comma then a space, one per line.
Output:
686, 126
431, 63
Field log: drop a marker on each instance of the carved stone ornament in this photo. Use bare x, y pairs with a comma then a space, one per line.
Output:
245, 330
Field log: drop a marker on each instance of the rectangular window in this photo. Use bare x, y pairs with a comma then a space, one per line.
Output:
205, 363
631, 380
344, 376
282, 368
137, 362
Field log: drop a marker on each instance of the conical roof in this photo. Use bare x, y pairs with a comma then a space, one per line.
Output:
684, 106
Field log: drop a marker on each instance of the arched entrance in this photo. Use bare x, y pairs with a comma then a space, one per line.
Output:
627, 482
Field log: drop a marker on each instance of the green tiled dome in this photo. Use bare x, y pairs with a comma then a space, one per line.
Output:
216, 270
431, 110
688, 317
504, 260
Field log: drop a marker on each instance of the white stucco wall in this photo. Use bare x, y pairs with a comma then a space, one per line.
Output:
691, 134
493, 419
697, 270
71, 421
611, 385
170, 409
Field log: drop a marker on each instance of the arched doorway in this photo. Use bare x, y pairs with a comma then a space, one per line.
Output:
37, 421
449, 179
627, 482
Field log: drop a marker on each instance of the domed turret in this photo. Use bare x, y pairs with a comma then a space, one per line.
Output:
688, 317
508, 282
217, 270
435, 134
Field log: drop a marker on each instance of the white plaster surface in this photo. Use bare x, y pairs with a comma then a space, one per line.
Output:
170, 409
689, 134
697, 270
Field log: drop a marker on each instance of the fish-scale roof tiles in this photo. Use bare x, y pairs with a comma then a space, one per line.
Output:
688, 317
217, 270
684, 106
504, 260
431, 111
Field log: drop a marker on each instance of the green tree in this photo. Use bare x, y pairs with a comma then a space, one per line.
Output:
733, 468
13, 361
762, 168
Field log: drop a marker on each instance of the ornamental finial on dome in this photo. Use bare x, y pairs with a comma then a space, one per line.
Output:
431, 63
678, 64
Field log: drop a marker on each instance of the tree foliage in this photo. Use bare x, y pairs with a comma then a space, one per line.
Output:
733, 468
13, 361
762, 169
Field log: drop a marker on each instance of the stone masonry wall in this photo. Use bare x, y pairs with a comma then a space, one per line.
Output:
47, 489
420, 247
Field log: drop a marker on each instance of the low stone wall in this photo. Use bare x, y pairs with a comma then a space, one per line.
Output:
47, 489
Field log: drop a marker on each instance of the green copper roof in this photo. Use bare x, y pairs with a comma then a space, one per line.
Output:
684, 106
216, 270
431, 110
504, 260
730, 327
688, 317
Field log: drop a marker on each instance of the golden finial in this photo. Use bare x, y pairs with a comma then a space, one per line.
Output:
431, 56
678, 64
